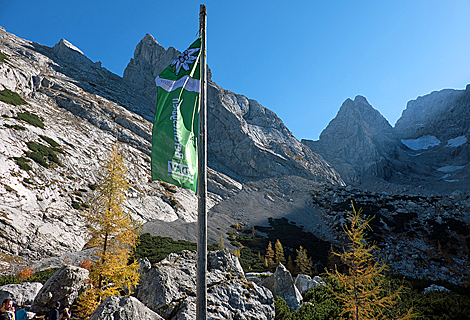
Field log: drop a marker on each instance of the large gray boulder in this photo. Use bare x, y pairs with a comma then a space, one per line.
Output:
282, 285
65, 285
170, 289
304, 282
123, 308
21, 293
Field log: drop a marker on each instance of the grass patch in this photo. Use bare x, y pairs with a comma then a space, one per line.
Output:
15, 126
11, 97
31, 118
156, 248
22, 163
92, 187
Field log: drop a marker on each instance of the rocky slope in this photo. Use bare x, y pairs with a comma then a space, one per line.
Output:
80, 109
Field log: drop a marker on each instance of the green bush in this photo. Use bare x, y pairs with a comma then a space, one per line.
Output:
11, 97
31, 118
51, 141
156, 248
45, 151
38, 158
22, 163
92, 187
15, 126
75, 205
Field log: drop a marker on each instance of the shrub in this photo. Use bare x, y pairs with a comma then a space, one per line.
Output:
38, 158
25, 274
21, 162
51, 141
75, 205
11, 97
15, 126
31, 118
92, 187
3, 57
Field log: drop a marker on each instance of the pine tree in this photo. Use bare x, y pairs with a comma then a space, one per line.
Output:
279, 253
113, 233
302, 262
363, 286
270, 254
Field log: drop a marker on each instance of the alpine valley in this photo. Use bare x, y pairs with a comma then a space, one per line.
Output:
412, 177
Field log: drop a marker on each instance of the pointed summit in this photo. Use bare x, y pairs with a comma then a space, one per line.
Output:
357, 141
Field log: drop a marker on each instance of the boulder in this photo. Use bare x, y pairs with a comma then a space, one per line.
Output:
123, 308
282, 285
21, 293
65, 285
304, 282
170, 289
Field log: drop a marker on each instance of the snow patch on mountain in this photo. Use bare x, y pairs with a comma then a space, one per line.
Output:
457, 142
450, 168
421, 143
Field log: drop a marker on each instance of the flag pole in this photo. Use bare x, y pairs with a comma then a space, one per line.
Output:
201, 290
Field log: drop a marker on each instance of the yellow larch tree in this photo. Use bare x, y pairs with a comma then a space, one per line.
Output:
113, 233
279, 253
364, 283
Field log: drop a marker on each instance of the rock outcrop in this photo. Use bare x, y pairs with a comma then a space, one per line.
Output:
169, 289
123, 308
282, 285
65, 285
21, 293
304, 282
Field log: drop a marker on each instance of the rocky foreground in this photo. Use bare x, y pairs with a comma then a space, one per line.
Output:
167, 290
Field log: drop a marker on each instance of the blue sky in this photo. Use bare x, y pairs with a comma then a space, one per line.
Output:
301, 59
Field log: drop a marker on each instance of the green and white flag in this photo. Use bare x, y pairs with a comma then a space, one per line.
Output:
176, 124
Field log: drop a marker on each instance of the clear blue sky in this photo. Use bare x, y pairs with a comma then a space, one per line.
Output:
301, 59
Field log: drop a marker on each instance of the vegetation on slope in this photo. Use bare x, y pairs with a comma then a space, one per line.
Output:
11, 97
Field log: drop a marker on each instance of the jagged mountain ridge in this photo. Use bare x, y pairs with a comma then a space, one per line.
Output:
245, 140
85, 109
427, 150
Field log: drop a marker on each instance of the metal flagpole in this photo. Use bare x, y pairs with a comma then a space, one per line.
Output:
201, 291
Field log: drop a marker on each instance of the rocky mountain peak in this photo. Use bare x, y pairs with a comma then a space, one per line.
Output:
443, 114
357, 141
150, 58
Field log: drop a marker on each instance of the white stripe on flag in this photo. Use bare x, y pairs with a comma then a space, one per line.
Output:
186, 82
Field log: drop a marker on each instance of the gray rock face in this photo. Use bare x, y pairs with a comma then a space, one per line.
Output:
282, 285
169, 289
150, 58
123, 308
443, 114
245, 139
304, 282
359, 141
21, 293
65, 285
